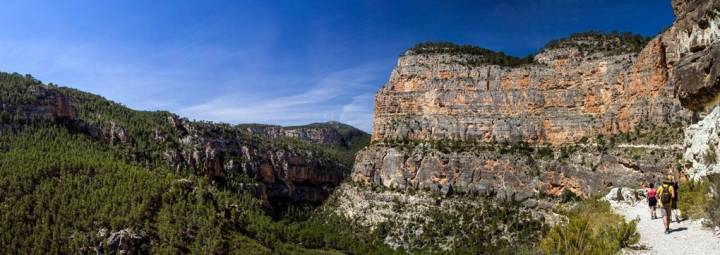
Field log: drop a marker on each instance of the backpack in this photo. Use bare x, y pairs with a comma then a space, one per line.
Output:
665, 195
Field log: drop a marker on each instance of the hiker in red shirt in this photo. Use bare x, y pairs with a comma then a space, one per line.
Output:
652, 200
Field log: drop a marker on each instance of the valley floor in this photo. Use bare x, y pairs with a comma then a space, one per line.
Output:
687, 237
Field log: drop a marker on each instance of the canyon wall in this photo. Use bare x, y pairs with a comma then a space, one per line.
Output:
694, 56
578, 94
693, 52
567, 95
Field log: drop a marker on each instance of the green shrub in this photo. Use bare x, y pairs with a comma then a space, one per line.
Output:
544, 152
692, 199
592, 228
712, 207
568, 196
598, 41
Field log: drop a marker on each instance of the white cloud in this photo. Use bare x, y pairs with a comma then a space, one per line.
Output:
359, 112
332, 98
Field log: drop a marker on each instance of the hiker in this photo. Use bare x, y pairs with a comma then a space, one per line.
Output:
675, 210
652, 200
665, 194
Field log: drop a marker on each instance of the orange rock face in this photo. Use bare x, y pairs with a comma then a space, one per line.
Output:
559, 100
437, 100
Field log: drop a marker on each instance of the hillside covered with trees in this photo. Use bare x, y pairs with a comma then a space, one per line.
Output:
81, 174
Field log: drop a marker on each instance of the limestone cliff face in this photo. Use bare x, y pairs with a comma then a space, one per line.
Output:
326, 136
693, 50
693, 44
702, 155
576, 94
585, 171
567, 96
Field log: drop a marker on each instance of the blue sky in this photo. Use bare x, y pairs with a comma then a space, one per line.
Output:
276, 62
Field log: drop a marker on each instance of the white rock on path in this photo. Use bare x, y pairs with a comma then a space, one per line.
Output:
688, 237
625, 195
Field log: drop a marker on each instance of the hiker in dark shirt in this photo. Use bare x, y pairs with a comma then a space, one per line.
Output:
675, 210
664, 195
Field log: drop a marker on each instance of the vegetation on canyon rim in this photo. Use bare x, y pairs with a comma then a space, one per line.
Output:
586, 42
596, 41
487, 56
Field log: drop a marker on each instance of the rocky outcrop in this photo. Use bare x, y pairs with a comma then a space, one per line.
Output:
328, 133
693, 46
118, 134
502, 171
693, 50
702, 152
570, 94
296, 174
41, 103
126, 241
625, 195
422, 221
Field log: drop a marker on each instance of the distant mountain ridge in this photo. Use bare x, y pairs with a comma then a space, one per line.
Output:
330, 133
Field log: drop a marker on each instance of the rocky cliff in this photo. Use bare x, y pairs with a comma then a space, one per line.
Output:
693, 47
576, 90
36, 102
694, 55
287, 170
329, 133
452, 120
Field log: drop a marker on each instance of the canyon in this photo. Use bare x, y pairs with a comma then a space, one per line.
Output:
590, 112
472, 151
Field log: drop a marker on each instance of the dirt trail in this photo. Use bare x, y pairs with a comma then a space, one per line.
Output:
652, 146
687, 237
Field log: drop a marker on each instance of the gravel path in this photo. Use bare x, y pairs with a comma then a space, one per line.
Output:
687, 237
651, 146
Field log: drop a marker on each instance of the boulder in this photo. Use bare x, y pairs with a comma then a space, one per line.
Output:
126, 241
624, 194
118, 134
